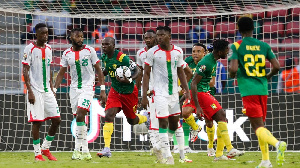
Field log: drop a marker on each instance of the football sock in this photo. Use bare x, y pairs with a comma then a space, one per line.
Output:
180, 138
211, 136
175, 140
164, 142
191, 122
37, 147
142, 118
85, 144
79, 135
222, 127
186, 131
220, 144
108, 129
154, 138
264, 146
47, 142
266, 136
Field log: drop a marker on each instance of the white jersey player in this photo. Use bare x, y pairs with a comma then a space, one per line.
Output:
41, 102
166, 61
82, 60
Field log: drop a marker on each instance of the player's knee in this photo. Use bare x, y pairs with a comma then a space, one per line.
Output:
186, 112
209, 124
173, 126
56, 121
133, 121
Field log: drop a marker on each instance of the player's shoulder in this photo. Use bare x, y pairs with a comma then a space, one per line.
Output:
141, 50
153, 49
29, 46
48, 46
89, 48
179, 49
237, 44
189, 59
68, 50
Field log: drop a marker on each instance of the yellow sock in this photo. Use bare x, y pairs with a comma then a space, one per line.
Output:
142, 118
266, 136
222, 127
211, 136
220, 144
108, 129
264, 147
191, 122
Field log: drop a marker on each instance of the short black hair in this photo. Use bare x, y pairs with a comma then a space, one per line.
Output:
201, 45
165, 28
289, 63
150, 31
76, 29
245, 24
220, 44
39, 25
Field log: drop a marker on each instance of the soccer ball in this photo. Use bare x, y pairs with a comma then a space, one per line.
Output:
123, 70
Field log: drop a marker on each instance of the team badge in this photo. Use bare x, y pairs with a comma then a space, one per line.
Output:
25, 56
213, 106
134, 109
244, 110
114, 66
202, 68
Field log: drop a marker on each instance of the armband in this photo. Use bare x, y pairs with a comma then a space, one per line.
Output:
102, 87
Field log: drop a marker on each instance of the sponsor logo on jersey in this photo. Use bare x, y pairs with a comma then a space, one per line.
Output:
114, 66
25, 56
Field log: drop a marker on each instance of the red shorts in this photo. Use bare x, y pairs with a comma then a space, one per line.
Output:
255, 106
207, 102
127, 102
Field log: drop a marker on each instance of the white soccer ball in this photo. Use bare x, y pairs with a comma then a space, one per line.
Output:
123, 70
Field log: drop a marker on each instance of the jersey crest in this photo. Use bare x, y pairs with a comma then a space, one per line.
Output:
202, 68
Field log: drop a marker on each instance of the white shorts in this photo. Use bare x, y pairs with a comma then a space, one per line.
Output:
153, 120
44, 108
166, 106
80, 98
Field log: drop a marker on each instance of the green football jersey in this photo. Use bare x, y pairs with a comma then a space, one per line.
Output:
206, 68
190, 61
251, 55
111, 64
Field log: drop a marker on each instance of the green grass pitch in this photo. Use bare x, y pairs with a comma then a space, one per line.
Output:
139, 160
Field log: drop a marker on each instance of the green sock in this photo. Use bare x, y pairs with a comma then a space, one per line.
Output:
49, 138
35, 142
186, 131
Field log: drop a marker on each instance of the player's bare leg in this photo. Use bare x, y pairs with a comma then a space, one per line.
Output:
49, 138
81, 137
108, 129
220, 118
210, 129
36, 125
265, 138
190, 120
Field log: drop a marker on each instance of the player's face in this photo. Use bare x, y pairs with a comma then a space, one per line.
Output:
150, 39
224, 53
77, 38
42, 34
198, 53
107, 46
163, 37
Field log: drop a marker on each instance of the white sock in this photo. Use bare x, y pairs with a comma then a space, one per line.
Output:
154, 138
79, 137
46, 144
180, 139
85, 144
37, 149
164, 144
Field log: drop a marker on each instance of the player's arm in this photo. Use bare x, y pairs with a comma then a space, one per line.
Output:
139, 79
102, 84
275, 68
182, 78
188, 73
60, 76
197, 78
233, 68
145, 85
137, 73
31, 97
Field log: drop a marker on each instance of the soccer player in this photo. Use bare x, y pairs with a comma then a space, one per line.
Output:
206, 105
123, 94
247, 63
82, 60
41, 102
198, 52
166, 61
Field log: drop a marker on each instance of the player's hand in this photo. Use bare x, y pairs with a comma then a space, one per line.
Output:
199, 112
103, 98
145, 102
150, 93
187, 95
31, 97
123, 80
